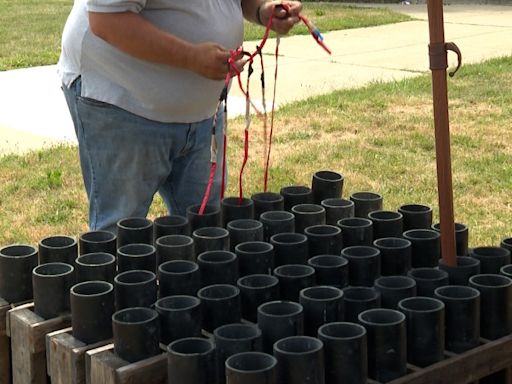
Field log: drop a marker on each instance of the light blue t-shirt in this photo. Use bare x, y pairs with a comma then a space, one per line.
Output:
154, 91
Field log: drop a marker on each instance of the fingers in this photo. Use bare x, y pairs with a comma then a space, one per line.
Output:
231, 62
209, 60
287, 9
280, 12
285, 15
220, 64
283, 26
214, 62
295, 7
239, 65
236, 54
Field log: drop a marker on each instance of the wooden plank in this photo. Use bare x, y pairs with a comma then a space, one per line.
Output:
466, 367
8, 318
5, 344
66, 354
48, 349
105, 367
5, 360
94, 352
28, 331
412, 368
4, 308
152, 370
499, 377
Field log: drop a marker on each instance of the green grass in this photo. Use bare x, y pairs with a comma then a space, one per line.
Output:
335, 17
380, 137
30, 30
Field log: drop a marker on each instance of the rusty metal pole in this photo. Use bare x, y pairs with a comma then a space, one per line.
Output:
438, 65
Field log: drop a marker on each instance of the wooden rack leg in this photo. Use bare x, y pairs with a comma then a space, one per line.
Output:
66, 357
105, 367
5, 345
28, 331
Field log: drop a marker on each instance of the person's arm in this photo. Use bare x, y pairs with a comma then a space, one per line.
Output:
259, 12
136, 36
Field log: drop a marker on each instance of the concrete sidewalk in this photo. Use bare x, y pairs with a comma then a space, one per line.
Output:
33, 112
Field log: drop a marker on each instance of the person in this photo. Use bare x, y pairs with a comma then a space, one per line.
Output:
142, 80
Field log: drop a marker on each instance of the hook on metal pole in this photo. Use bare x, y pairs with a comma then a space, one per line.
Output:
438, 56
453, 47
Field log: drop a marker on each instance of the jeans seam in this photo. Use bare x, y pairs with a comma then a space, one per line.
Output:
175, 203
188, 141
172, 199
94, 193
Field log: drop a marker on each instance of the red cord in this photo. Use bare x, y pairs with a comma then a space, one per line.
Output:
246, 133
267, 165
223, 181
213, 157
246, 156
231, 61
264, 102
208, 188
234, 54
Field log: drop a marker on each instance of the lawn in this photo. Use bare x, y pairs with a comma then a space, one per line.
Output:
379, 137
30, 30
335, 17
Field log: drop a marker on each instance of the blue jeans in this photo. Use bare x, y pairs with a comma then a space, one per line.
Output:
125, 159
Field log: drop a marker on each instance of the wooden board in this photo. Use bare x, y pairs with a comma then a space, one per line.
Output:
490, 358
468, 367
103, 366
5, 344
65, 357
28, 344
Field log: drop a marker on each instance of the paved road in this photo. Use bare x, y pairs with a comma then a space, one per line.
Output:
33, 112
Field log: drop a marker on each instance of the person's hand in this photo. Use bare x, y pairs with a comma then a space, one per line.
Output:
283, 20
210, 60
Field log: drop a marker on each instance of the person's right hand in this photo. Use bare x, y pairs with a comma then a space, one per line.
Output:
282, 20
210, 60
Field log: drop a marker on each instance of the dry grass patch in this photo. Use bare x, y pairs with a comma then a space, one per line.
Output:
381, 138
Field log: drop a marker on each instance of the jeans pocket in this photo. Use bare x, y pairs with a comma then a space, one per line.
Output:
93, 102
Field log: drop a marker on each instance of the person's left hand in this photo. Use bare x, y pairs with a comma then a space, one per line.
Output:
282, 20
